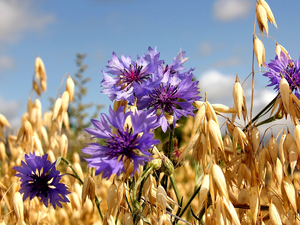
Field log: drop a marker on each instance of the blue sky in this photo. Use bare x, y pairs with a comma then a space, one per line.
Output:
217, 36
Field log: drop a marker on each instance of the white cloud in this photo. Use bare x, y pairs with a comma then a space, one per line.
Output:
217, 85
10, 109
17, 17
226, 10
6, 63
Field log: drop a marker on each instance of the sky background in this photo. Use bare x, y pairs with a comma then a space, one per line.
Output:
216, 35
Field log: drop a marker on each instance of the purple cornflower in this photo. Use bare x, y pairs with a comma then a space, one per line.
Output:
129, 142
132, 78
40, 178
173, 96
288, 68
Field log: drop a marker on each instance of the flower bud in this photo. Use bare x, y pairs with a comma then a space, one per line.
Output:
167, 166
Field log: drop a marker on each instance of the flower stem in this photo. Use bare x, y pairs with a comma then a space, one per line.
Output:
173, 182
75, 175
263, 111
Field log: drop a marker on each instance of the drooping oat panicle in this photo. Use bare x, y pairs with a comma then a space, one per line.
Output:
262, 18
259, 51
270, 15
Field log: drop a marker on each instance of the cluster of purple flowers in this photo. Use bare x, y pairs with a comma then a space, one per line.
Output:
155, 89
286, 67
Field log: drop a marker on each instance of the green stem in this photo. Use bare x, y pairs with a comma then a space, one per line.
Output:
135, 201
75, 175
190, 201
169, 154
173, 182
263, 111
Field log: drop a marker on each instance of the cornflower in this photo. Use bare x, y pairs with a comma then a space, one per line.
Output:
132, 141
40, 178
172, 95
132, 78
288, 68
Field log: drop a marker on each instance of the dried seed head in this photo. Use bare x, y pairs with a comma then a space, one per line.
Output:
297, 137
290, 192
66, 122
4, 122
255, 136
39, 68
253, 203
223, 108
127, 219
56, 109
285, 93
238, 96
274, 215
262, 18
203, 190
18, 206
281, 149
259, 51
273, 150
63, 145
70, 88
293, 157
112, 197
65, 101
215, 134
219, 179
198, 118
36, 87
279, 48
161, 197
270, 15
88, 189
43, 85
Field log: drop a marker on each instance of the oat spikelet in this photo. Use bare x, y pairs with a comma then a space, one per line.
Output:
262, 18
39, 68
223, 108
56, 109
4, 122
215, 133
204, 190
270, 15
279, 48
259, 51
274, 215
219, 179
290, 192
18, 207
297, 137
70, 87
253, 203
285, 93
238, 96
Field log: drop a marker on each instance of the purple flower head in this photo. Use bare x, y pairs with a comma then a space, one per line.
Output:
132, 78
130, 142
288, 68
173, 96
40, 178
